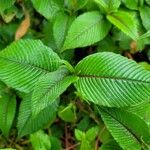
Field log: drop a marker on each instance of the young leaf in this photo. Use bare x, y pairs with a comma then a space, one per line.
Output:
26, 124
24, 61
44, 139
7, 112
129, 130
145, 16
49, 87
112, 80
86, 30
125, 22
47, 8
67, 113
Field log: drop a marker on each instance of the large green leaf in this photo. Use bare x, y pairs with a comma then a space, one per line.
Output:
48, 8
7, 112
112, 80
125, 22
5, 4
129, 130
27, 124
24, 61
145, 16
49, 87
86, 30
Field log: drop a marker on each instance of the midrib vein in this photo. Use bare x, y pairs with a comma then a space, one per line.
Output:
114, 78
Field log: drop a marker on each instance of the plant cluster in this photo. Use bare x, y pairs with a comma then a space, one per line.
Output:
75, 74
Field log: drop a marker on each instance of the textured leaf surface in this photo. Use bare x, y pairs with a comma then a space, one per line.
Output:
26, 124
49, 87
7, 112
60, 27
86, 29
24, 61
112, 80
47, 8
129, 130
145, 16
125, 22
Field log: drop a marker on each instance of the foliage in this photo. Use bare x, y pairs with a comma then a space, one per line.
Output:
75, 74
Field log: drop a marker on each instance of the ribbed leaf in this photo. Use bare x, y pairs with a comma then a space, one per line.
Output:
5, 4
47, 8
49, 87
86, 29
24, 61
60, 27
129, 130
125, 22
145, 16
112, 80
26, 124
7, 112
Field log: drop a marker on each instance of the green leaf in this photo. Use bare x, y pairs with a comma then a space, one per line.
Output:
55, 143
112, 80
125, 22
47, 8
145, 16
60, 28
24, 61
5, 4
40, 140
129, 130
145, 35
109, 5
27, 124
131, 4
79, 134
92, 133
67, 113
110, 145
86, 30
48, 89
7, 112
